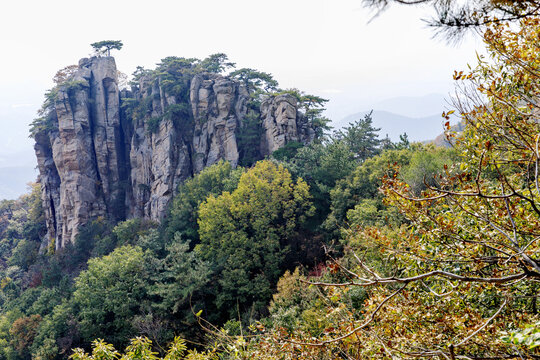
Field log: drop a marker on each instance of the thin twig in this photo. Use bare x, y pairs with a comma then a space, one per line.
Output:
435, 273
371, 318
484, 325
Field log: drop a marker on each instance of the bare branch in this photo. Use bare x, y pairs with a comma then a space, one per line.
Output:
436, 273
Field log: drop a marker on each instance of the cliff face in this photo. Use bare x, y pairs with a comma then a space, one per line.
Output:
99, 158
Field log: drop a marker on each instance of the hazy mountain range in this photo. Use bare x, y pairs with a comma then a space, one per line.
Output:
17, 160
419, 117
393, 125
14, 180
17, 169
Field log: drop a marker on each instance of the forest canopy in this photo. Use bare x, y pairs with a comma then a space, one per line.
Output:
349, 247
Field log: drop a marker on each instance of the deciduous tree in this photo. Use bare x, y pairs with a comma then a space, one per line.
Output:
108, 295
466, 270
246, 233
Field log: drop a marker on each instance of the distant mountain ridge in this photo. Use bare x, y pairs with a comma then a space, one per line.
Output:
14, 180
414, 106
391, 124
17, 159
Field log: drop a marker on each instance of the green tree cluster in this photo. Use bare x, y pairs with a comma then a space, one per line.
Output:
229, 236
247, 233
183, 215
109, 293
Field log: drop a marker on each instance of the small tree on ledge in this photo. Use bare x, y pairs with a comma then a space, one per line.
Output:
104, 47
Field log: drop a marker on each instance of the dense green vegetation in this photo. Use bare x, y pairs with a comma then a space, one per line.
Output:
351, 247
229, 236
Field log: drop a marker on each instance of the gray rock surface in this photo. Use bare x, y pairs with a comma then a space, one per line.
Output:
283, 123
218, 106
99, 160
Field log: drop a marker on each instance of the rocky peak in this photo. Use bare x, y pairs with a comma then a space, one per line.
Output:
122, 154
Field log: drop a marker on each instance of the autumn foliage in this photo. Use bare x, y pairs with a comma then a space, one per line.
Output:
464, 273
459, 279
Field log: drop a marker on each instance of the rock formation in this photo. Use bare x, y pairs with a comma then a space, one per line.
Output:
282, 123
122, 154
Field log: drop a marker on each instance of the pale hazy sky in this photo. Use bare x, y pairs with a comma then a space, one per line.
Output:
325, 47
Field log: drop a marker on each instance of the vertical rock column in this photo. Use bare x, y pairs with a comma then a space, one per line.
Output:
218, 105
159, 157
50, 185
279, 115
80, 161
74, 156
107, 134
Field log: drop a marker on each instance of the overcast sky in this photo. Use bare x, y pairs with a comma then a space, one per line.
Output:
324, 47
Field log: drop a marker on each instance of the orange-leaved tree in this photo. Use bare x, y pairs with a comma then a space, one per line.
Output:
460, 281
